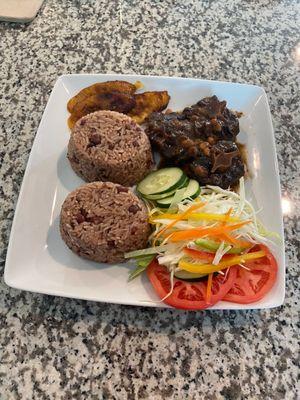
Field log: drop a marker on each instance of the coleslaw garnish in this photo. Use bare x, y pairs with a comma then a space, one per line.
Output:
217, 216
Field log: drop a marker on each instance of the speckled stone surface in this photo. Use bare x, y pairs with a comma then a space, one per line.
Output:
55, 348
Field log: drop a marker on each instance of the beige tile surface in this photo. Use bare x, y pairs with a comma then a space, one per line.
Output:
19, 10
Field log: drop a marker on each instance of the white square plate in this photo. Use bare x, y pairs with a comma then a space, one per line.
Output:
38, 259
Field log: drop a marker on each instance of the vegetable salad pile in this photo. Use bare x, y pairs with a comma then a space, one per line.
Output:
207, 249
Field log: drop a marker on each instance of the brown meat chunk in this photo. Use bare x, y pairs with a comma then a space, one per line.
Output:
200, 140
206, 172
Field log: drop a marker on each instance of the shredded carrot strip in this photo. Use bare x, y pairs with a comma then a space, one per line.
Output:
179, 217
195, 233
226, 237
208, 288
227, 217
242, 243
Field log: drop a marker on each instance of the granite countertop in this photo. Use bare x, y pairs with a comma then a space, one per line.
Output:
57, 348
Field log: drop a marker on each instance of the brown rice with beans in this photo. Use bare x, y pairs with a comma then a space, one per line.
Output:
102, 220
109, 146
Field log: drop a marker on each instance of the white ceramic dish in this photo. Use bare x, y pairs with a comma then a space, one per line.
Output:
37, 258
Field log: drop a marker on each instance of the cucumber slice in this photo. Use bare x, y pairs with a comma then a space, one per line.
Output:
212, 246
187, 276
167, 194
192, 191
161, 181
165, 203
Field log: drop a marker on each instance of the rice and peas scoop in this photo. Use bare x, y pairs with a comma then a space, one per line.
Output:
104, 219
110, 146
101, 221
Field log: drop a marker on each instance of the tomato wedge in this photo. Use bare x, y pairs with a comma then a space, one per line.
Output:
189, 295
253, 285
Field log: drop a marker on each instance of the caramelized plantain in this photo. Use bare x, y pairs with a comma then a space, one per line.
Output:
114, 101
101, 87
139, 85
71, 121
147, 103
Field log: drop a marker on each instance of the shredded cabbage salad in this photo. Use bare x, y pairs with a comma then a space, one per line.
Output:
218, 222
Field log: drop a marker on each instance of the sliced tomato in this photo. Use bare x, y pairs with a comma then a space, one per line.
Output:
253, 284
189, 295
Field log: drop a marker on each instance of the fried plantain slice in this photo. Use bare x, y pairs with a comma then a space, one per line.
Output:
101, 87
147, 103
71, 121
113, 101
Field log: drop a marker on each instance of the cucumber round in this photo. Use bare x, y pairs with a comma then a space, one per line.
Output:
167, 194
192, 191
187, 276
161, 181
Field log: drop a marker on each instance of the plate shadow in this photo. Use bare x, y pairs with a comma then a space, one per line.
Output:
65, 173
